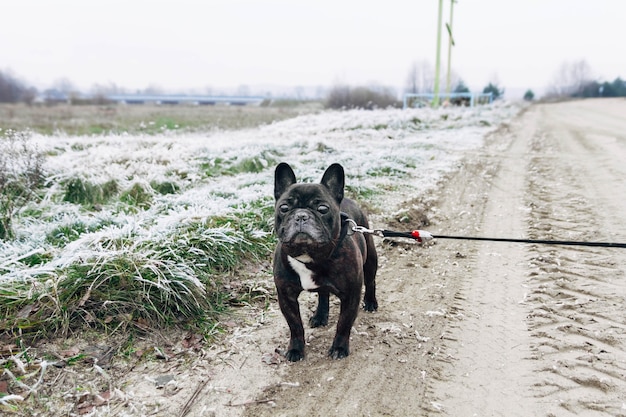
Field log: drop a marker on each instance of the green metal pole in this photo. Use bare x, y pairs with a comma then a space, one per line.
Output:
438, 60
450, 45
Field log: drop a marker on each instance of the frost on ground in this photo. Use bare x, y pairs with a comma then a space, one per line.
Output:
404, 151
390, 157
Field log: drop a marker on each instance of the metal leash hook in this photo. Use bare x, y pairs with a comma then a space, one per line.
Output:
423, 236
365, 230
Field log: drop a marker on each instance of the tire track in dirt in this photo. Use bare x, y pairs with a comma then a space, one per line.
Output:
579, 323
543, 328
491, 371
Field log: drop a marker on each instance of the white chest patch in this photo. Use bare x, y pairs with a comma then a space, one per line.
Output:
305, 274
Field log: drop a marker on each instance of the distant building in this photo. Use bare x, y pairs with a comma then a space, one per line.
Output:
174, 99
54, 96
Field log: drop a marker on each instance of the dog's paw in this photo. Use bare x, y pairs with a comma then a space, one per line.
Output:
318, 321
370, 305
338, 352
294, 355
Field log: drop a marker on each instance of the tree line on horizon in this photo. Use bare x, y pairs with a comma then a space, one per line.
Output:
572, 80
575, 80
13, 90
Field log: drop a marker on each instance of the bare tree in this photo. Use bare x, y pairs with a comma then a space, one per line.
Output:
421, 78
107, 89
372, 97
101, 93
412, 80
11, 89
65, 85
570, 79
66, 89
580, 75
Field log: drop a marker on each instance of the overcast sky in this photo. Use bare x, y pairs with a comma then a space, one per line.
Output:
185, 44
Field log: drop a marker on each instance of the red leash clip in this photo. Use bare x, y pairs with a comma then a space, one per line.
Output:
421, 236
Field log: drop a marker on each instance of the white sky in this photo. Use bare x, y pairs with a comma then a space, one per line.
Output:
185, 44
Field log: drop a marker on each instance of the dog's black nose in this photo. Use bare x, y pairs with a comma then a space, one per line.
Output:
302, 217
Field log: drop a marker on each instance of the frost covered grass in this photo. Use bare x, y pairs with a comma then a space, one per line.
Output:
141, 230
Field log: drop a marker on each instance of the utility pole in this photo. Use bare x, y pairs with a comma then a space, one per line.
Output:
450, 45
438, 60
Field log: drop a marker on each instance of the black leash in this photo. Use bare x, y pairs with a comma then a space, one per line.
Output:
424, 236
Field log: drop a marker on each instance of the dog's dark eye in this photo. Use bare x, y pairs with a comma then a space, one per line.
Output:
284, 208
323, 209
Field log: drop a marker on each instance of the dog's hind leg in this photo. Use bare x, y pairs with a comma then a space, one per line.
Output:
320, 318
369, 271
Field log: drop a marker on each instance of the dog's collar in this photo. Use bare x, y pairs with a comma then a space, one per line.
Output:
345, 229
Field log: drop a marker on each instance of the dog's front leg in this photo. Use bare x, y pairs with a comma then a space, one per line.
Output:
347, 315
289, 306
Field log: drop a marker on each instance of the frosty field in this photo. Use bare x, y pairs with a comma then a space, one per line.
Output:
143, 268
163, 216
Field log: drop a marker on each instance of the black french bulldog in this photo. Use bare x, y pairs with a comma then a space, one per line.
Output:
318, 251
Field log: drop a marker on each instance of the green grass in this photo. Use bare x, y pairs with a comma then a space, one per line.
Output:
130, 282
138, 196
362, 194
80, 191
165, 187
35, 259
69, 232
64, 234
386, 171
234, 166
126, 280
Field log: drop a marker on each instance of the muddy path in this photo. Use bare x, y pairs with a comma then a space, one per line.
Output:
479, 328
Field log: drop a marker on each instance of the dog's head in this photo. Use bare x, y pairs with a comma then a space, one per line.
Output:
308, 220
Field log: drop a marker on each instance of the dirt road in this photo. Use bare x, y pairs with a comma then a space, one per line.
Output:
465, 328
544, 329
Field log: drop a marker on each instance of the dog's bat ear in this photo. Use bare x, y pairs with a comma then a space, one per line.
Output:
283, 178
335, 179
